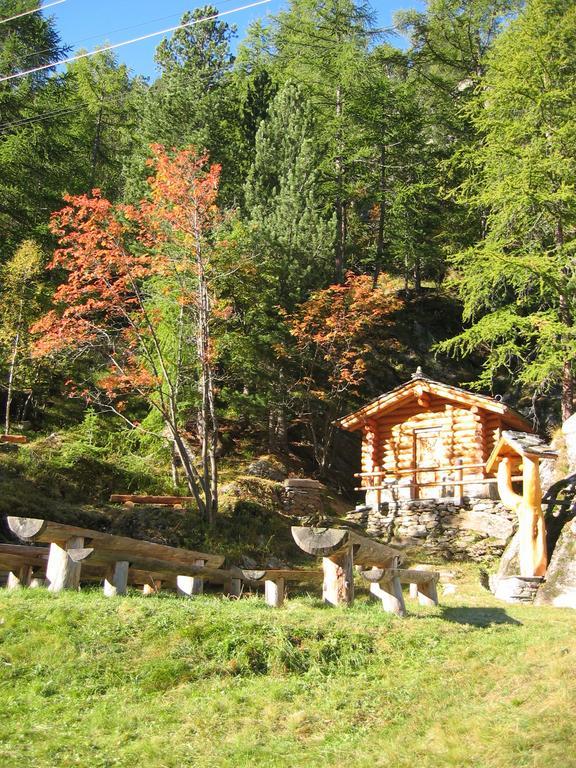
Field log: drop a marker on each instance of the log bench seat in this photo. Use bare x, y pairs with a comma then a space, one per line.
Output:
73, 548
340, 549
276, 580
386, 585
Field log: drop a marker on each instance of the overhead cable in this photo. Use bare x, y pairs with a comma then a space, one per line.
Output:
34, 10
129, 42
111, 32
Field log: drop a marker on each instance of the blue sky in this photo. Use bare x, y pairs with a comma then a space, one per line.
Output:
89, 23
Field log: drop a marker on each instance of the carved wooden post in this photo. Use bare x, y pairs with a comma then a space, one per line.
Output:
274, 592
528, 507
62, 572
116, 579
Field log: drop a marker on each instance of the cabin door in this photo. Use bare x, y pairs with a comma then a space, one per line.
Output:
429, 455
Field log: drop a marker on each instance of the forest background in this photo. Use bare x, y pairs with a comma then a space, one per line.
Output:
257, 242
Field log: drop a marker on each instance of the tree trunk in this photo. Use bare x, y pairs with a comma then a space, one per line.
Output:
207, 419
12, 370
381, 218
567, 399
340, 204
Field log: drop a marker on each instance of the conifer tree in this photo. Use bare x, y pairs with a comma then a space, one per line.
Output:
517, 282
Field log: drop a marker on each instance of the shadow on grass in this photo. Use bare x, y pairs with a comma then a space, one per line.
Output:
478, 617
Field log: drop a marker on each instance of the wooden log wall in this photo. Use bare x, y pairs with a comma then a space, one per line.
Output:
469, 434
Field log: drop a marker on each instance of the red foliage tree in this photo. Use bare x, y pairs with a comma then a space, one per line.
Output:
136, 292
336, 331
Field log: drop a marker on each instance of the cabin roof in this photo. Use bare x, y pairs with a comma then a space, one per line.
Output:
420, 384
515, 444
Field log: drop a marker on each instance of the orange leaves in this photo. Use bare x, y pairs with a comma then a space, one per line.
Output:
129, 271
339, 325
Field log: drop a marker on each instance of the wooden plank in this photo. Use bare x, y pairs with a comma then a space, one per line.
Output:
17, 439
163, 501
273, 574
124, 548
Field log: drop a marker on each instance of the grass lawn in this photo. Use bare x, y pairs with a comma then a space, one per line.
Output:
167, 682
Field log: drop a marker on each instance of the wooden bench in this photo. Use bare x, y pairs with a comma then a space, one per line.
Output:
340, 549
22, 564
275, 581
72, 546
386, 585
130, 500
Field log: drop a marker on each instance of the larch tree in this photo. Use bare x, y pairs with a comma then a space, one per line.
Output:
137, 298
517, 282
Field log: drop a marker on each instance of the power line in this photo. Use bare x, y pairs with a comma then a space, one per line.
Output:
34, 10
129, 42
112, 32
43, 116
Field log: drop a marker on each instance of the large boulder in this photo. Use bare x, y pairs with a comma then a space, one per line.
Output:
559, 588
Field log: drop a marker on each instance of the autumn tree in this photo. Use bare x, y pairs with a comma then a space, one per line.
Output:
136, 298
339, 332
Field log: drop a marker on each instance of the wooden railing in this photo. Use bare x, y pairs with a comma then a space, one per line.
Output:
383, 480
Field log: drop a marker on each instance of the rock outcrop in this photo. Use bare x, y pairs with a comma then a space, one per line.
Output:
559, 588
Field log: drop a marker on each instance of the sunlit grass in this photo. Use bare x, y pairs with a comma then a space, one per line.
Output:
166, 682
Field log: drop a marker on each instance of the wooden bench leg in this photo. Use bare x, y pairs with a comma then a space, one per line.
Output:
390, 593
338, 586
116, 579
427, 593
413, 591
235, 589
62, 572
274, 592
20, 579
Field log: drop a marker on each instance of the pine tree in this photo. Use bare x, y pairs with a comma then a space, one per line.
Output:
517, 282
323, 46
282, 199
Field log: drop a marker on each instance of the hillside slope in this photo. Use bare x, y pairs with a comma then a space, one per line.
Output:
166, 683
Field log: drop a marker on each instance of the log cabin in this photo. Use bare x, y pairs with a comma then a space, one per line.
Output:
429, 440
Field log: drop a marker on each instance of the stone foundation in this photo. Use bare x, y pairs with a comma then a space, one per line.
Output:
476, 529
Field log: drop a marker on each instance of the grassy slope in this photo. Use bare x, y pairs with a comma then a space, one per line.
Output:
167, 683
